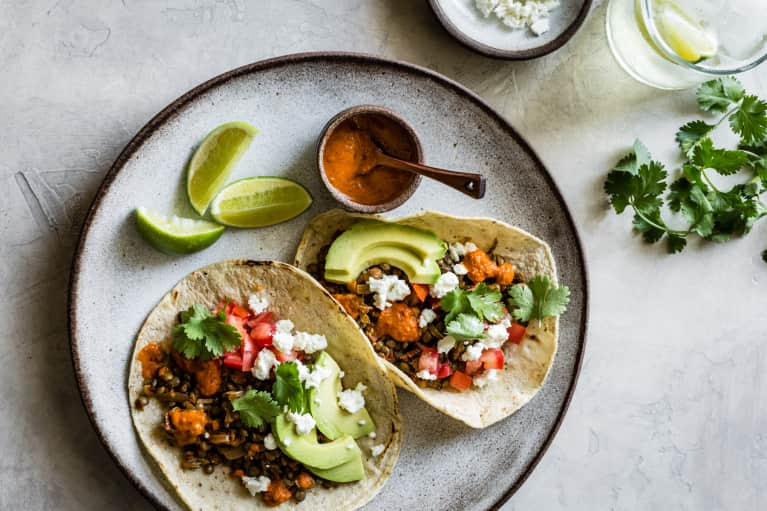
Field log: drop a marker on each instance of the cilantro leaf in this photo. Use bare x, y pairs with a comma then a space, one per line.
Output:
690, 134
202, 335
481, 301
691, 200
486, 303
750, 120
638, 156
538, 299
256, 407
287, 388
454, 303
717, 95
723, 161
641, 190
466, 326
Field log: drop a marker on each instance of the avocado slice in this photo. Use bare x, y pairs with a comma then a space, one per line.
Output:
307, 450
332, 420
370, 242
350, 471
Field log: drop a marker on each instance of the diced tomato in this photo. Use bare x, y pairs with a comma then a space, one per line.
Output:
238, 311
264, 317
421, 291
472, 366
262, 333
429, 361
238, 323
460, 381
249, 352
287, 357
233, 360
492, 358
516, 333
444, 370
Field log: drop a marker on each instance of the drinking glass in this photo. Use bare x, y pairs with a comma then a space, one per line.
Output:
677, 44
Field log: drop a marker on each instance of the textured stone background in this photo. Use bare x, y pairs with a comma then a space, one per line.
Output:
669, 411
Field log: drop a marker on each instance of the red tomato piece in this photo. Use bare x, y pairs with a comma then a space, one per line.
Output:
238, 311
233, 360
262, 333
472, 366
460, 381
286, 357
492, 358
444, 370
264, 317
429, 361
516, 333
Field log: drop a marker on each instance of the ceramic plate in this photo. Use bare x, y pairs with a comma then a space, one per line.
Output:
490, 37
117, 278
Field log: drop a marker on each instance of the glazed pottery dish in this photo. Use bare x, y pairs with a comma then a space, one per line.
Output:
494, 27
187, 439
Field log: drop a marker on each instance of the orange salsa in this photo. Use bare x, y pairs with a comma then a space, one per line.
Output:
348, 154
400, 322
187, 425
151, 357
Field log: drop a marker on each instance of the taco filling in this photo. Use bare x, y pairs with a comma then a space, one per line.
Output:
240, 388
440, 312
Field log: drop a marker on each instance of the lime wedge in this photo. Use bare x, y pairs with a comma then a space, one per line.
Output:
214, 160
685, 36
259, 201
175, 235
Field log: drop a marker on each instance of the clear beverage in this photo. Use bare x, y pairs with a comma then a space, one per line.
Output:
677, 44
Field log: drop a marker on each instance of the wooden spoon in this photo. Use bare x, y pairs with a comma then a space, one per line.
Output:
469, 183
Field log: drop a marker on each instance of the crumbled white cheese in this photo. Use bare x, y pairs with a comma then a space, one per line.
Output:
362, 422
457, 250
342, 374
258, 303
303, 371
269, 442
426, 317
388, 289
472, 323
460, 269
317, 400
352, 400
426, 375
520, 13
304, 422
445, 283
309, 343
314, 377
485, 378
540, 26
496, 335
256, 485
473, 352
283, 338
446, 344
264, 363
376, 450
287, 441
372, 434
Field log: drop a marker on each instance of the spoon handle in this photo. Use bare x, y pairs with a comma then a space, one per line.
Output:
469, 183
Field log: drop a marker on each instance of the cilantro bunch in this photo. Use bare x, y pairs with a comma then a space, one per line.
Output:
257, 407
640, 183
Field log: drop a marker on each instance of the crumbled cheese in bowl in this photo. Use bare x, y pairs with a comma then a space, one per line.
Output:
520, 13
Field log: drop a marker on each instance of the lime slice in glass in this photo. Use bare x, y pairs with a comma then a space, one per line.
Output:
259, 201
176, 235
688, 38
214, 160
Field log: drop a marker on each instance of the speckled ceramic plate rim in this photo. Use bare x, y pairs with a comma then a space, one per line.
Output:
172, 110
497, 53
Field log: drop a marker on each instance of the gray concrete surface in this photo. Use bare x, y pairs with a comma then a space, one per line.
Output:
669, 412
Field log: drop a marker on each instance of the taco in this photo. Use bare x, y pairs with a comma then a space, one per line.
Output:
250, 387
461, 311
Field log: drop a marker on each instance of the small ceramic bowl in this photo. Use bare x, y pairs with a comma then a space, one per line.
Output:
490, 37
416, 149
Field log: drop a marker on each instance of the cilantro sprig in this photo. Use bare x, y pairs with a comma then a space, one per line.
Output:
467, 309
201, 334
288, 389
538, 299
641, 183
256, 407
